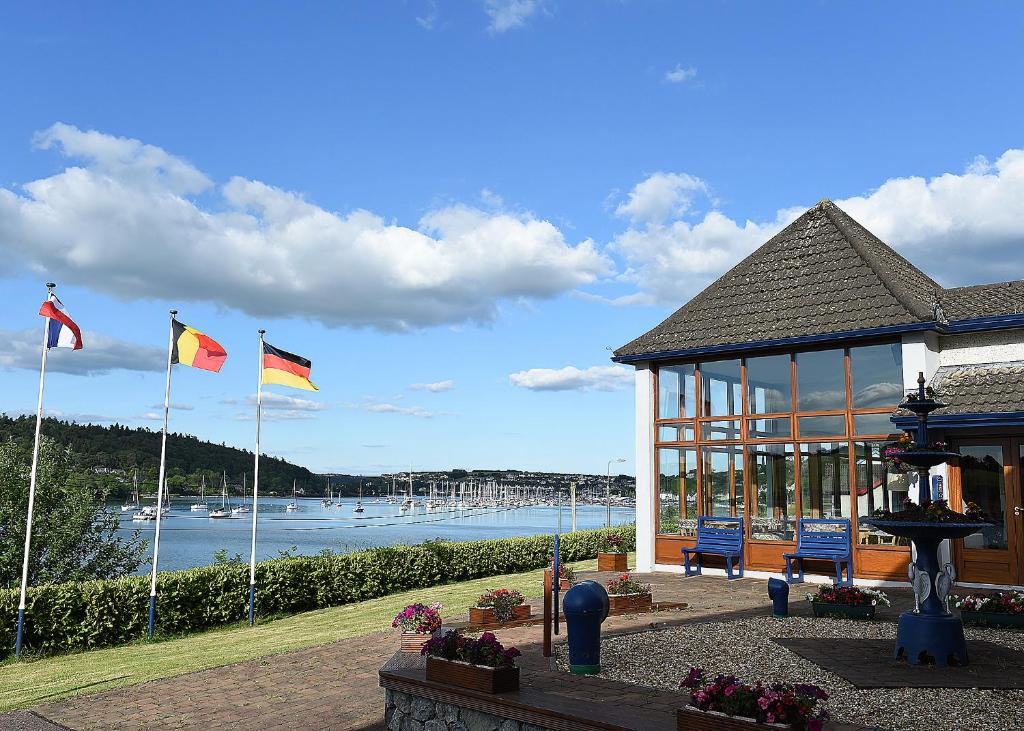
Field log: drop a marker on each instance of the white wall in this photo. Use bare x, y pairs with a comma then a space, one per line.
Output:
972, 348
645, 487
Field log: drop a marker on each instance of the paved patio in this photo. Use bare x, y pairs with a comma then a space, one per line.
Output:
336, 686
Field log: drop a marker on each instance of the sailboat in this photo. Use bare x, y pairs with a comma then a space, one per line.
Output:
326, 502
243, 508
201, 506
359, 503
224, 511
292, 506
132, 504
148, 512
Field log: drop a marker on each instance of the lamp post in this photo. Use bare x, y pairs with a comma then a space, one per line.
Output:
608, 492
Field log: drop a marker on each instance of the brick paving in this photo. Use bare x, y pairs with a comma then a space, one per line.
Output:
336, 686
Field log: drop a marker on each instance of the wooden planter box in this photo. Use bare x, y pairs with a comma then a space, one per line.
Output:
485, 615
413, 641
846, 611
689, 718
473, 677
611, 562
992, 619
629, 602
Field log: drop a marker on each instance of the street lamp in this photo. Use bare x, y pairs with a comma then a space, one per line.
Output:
608, 492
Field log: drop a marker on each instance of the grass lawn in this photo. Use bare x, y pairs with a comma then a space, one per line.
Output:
47, 679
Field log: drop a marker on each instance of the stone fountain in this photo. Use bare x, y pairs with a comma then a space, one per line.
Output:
929, 630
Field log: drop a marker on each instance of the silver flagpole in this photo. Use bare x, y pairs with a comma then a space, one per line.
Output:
160, 478
256, 490
32, 479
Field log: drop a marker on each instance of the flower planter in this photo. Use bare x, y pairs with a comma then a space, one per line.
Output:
846, 611
563, 585
473, 677
629, 602
611, 562
413, 641
689, 718
485, 615
992, 619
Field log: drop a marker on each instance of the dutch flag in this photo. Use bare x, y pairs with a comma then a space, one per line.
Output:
62, 332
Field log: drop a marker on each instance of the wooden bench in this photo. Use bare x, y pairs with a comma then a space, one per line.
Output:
828, 539
723, 537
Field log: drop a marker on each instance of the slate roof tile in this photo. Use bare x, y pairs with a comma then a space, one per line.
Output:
980, 389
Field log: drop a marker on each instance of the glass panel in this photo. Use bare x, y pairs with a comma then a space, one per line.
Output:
723, 480
773, 492
718, 430
822, 426
820, 380
873, 424
769, 428
677, 476
877, 488
720, 387
825, 480
769, 384
876, 375
981, 482
676, 392
675, 432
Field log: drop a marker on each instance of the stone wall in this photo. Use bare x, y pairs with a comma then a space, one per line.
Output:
405, 712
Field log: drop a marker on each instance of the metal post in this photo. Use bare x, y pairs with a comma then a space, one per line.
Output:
572, 504
32, 480
160, 479
256, 489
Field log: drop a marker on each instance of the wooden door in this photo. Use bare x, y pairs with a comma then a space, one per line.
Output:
989, 474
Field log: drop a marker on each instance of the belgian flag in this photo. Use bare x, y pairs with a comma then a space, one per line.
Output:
286, 369
193, 348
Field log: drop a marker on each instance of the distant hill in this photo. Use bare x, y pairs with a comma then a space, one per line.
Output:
114, 452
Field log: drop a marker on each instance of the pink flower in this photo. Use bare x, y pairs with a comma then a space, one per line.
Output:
763, 702
770, 718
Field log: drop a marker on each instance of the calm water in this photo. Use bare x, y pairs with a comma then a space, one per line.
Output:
190, 539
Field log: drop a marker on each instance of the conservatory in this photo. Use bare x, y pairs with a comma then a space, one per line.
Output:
772, 395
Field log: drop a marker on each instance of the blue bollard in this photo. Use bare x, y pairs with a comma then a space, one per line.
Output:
778, 591
585, 607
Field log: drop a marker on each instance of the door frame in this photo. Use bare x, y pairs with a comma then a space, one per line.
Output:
990, 565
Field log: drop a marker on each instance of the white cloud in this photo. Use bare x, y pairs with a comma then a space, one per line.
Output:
680, 74
175, 406
433, 387
959, 228
100, 354
571, 378
428, 21
280, 402
508, 14
129, 222
660, 196
395, 409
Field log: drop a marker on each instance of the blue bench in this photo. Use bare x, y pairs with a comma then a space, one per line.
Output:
828, 539
724, 537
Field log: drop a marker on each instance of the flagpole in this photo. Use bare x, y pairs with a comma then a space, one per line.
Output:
256, 489
32, 479
160, 478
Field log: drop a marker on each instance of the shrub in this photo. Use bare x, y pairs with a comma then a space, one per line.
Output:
484, 650
73, 616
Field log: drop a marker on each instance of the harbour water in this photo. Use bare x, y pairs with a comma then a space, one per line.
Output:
190, 539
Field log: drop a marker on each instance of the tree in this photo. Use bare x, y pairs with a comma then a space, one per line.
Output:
74, 536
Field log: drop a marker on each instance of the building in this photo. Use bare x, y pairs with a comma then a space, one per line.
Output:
772, 393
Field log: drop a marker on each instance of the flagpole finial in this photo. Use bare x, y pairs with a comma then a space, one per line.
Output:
51, 285
173, 313
262, 332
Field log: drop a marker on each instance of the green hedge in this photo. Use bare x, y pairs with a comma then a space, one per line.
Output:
66, 617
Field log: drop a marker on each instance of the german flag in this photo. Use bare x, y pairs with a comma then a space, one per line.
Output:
286, 369
193, 348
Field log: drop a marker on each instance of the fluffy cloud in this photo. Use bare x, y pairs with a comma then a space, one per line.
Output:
101, 354
571, 378
960, 228
129, 222
508, 14
433, 387
680, 73
277, 407
385, 408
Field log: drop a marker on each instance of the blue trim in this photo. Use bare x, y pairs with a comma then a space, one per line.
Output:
964, 421
252, 604
981, 324
780, 342
152, 615
21, 624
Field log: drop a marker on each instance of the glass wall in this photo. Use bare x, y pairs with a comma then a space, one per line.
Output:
736, 438
877, 489
982, 482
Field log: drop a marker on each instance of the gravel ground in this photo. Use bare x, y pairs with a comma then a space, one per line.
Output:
660, 658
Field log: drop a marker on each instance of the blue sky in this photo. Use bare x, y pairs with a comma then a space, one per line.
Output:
480, 193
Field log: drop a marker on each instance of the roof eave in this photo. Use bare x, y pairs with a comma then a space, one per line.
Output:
966, 420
